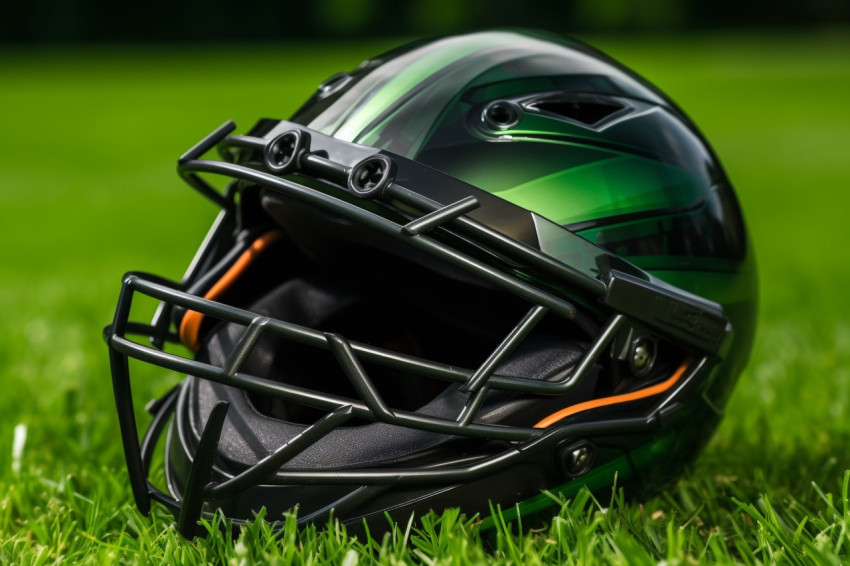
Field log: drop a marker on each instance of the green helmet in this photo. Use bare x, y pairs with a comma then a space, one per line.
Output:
472, 269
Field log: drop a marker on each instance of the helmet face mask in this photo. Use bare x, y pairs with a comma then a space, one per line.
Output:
445, 282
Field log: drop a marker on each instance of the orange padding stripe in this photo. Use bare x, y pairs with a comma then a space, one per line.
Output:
624, 398
190, 326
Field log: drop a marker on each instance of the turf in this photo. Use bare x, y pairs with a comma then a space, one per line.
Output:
88, 191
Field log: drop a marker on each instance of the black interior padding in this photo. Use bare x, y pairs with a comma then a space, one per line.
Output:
334, 275
256, 426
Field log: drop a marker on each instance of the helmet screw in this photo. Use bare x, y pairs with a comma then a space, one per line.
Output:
642, 356
282, 154
370, 177
577, 458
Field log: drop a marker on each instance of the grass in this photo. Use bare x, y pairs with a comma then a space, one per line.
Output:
88, 191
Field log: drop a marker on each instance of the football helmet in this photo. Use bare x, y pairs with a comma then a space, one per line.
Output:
470, 270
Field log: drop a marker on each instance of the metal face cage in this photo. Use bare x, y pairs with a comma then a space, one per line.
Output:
546, 267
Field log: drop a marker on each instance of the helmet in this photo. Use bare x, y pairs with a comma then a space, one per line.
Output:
470, 270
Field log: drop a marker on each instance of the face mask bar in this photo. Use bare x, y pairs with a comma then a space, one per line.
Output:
696, 325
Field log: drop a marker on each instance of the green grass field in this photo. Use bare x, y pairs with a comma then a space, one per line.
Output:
88, 191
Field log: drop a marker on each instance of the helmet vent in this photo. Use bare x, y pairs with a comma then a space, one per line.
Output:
587, 112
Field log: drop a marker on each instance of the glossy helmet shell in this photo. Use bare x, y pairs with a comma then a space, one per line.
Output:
516, 168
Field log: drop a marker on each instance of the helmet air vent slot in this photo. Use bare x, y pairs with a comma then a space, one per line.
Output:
586, 111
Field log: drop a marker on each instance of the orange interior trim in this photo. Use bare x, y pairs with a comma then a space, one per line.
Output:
190, 326
624, 398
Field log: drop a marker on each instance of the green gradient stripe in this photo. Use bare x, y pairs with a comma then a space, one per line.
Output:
443, 54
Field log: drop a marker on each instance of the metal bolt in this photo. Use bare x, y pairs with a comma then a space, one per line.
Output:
642, 356
577, 459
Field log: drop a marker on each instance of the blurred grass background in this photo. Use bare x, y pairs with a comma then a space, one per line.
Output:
88, 190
